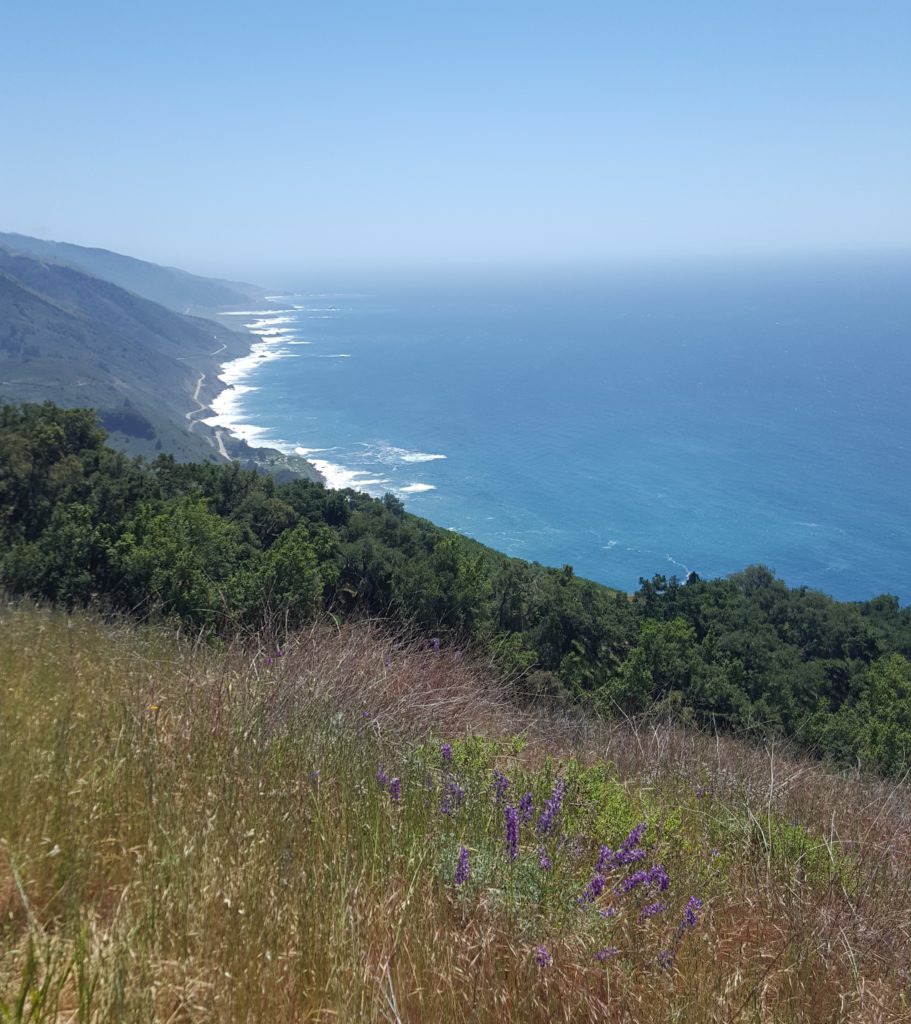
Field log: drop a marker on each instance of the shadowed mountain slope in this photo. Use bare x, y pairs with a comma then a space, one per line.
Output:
173, 288
78, 340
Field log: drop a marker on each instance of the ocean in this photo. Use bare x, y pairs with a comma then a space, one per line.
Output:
628, 423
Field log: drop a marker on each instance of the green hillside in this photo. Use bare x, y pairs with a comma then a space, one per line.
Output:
76, 340
222, 549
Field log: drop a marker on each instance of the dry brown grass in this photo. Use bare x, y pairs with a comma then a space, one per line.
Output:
165, 857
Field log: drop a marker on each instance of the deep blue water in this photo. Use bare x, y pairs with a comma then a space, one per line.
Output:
626, 424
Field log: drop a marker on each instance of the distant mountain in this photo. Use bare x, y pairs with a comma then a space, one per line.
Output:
81, 341
173, 288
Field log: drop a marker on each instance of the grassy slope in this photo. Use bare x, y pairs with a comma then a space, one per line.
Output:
167, 854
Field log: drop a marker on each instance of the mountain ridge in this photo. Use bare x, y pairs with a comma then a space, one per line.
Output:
171, 287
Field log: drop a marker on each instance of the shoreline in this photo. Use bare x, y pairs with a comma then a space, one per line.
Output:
274, 330
269, 330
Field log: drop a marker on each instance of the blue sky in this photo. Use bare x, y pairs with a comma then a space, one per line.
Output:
277, 140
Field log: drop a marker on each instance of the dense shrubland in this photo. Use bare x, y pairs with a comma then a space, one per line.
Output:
225, 551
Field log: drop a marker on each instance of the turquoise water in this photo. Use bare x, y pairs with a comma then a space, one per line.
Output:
626, 424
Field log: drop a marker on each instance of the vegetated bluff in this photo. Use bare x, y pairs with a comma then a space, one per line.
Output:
221, 547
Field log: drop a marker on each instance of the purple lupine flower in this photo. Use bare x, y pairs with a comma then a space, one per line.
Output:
543, 957
395, 789
651, 910
629, 851
500, 785
435, 642
608, 912
631, 882
605, 856
605, 954
690, 912
382, 777
512, 832
657, 876
461, 874
268, 661
665, 958
279, 654
446, 753
551, 810
593, 890
544, 862
526, 808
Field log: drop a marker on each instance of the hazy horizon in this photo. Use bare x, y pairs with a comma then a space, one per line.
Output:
360, 140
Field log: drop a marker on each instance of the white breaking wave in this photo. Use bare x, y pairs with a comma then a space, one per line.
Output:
259, 312
416, 488
306, 452
421, 457
390, 455
339, 477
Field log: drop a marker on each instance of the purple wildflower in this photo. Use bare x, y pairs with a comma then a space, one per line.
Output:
279, 654
436, 644
382, 777
551, 809
544, 862
461, 874
593, 890
512, 832
446, 753
629, 883
543, 957
606, 954
629, 851
652, 909
314, 778
268, 661
500, 785
665, 958
690, 912
395, 789
605, 856
608, 912
526, 808
657, 876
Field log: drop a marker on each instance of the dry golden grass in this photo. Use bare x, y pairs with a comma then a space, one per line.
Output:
165, 855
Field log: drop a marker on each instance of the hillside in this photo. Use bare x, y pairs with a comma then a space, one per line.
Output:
346, 824
175, 289
77, 340
223, 550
